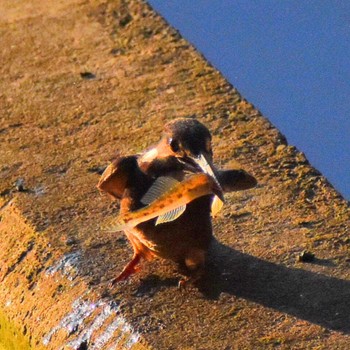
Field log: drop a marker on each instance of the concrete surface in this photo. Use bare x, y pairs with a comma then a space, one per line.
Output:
81, 80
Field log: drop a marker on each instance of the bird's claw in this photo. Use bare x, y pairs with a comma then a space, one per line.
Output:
126, 273
182, 284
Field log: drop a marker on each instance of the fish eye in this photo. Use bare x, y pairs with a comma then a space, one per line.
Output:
174, 145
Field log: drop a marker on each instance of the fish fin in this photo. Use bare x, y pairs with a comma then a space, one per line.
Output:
160, 186
171, 215
216, 205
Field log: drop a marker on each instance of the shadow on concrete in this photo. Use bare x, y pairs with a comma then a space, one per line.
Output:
313, 297
151, 285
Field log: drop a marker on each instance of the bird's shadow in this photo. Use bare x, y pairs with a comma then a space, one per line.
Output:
152, 284
310, 296
316, 298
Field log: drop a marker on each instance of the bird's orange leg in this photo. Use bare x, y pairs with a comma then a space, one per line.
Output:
128, 270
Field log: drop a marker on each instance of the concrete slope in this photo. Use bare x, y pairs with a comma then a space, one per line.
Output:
81, 80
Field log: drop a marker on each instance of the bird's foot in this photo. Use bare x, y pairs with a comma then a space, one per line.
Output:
128, 270
182, 284
125, 274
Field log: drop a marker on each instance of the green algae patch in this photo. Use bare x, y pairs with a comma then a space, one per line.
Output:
11, 338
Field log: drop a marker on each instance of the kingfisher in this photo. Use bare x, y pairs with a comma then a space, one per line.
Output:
184, 149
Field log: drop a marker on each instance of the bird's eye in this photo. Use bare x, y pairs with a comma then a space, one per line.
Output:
174, 145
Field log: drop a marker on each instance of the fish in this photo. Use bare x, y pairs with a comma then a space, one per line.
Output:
167, 199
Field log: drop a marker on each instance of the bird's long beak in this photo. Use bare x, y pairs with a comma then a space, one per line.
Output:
206, 165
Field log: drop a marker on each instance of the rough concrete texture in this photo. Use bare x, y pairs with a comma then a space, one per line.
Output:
81, 80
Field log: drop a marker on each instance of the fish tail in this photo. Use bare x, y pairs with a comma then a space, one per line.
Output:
118, 225
116, 228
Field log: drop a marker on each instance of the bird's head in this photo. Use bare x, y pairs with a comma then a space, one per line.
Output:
190, 142
188, 138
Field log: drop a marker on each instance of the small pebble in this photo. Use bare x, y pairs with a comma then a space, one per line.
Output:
306, 256
87, 75
116, 51
71, 241
19, 185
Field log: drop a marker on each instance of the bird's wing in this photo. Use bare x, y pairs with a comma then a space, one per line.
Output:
235, 180
114, 178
